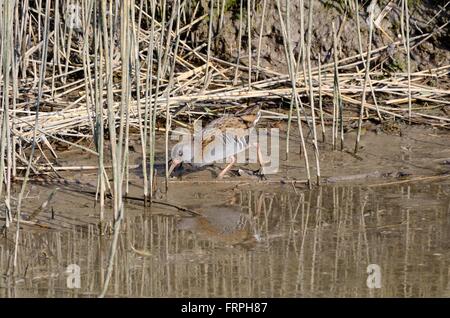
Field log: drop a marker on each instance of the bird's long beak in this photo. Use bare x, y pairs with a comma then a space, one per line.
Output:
173, 165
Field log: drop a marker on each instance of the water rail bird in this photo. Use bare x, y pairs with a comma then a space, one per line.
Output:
223, 138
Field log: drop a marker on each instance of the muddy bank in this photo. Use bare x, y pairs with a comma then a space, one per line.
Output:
249, 238
425, 17
389, 154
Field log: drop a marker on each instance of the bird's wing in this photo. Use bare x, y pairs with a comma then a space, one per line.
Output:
224, 137
224, 145
221, 126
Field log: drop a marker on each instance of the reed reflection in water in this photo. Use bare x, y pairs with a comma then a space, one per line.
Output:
284, 244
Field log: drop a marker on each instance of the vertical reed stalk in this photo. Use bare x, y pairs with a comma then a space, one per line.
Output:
337, 96
55, 59
151, 110
210, 31
36, 123
222, 13
69, 43
143, 119
6, 49
121, 144
358, 27
335, 107
238, 58
408, 57
169, 86
249, 43
311, 91
261, 30
295, 97
366, 79
320, 98
99, 126
88, 87
302, 52
159, 77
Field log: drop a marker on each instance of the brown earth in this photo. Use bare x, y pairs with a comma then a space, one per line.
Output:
434, 52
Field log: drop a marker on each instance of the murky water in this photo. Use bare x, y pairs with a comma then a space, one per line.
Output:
274, 242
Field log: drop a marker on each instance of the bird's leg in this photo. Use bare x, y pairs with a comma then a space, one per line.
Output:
261, 161
228, 167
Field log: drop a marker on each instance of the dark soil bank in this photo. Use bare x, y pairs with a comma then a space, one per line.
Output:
426, 17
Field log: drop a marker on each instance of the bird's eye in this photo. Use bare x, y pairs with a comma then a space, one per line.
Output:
180, 153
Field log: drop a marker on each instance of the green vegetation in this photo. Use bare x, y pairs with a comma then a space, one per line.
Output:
396, 65
230, 4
